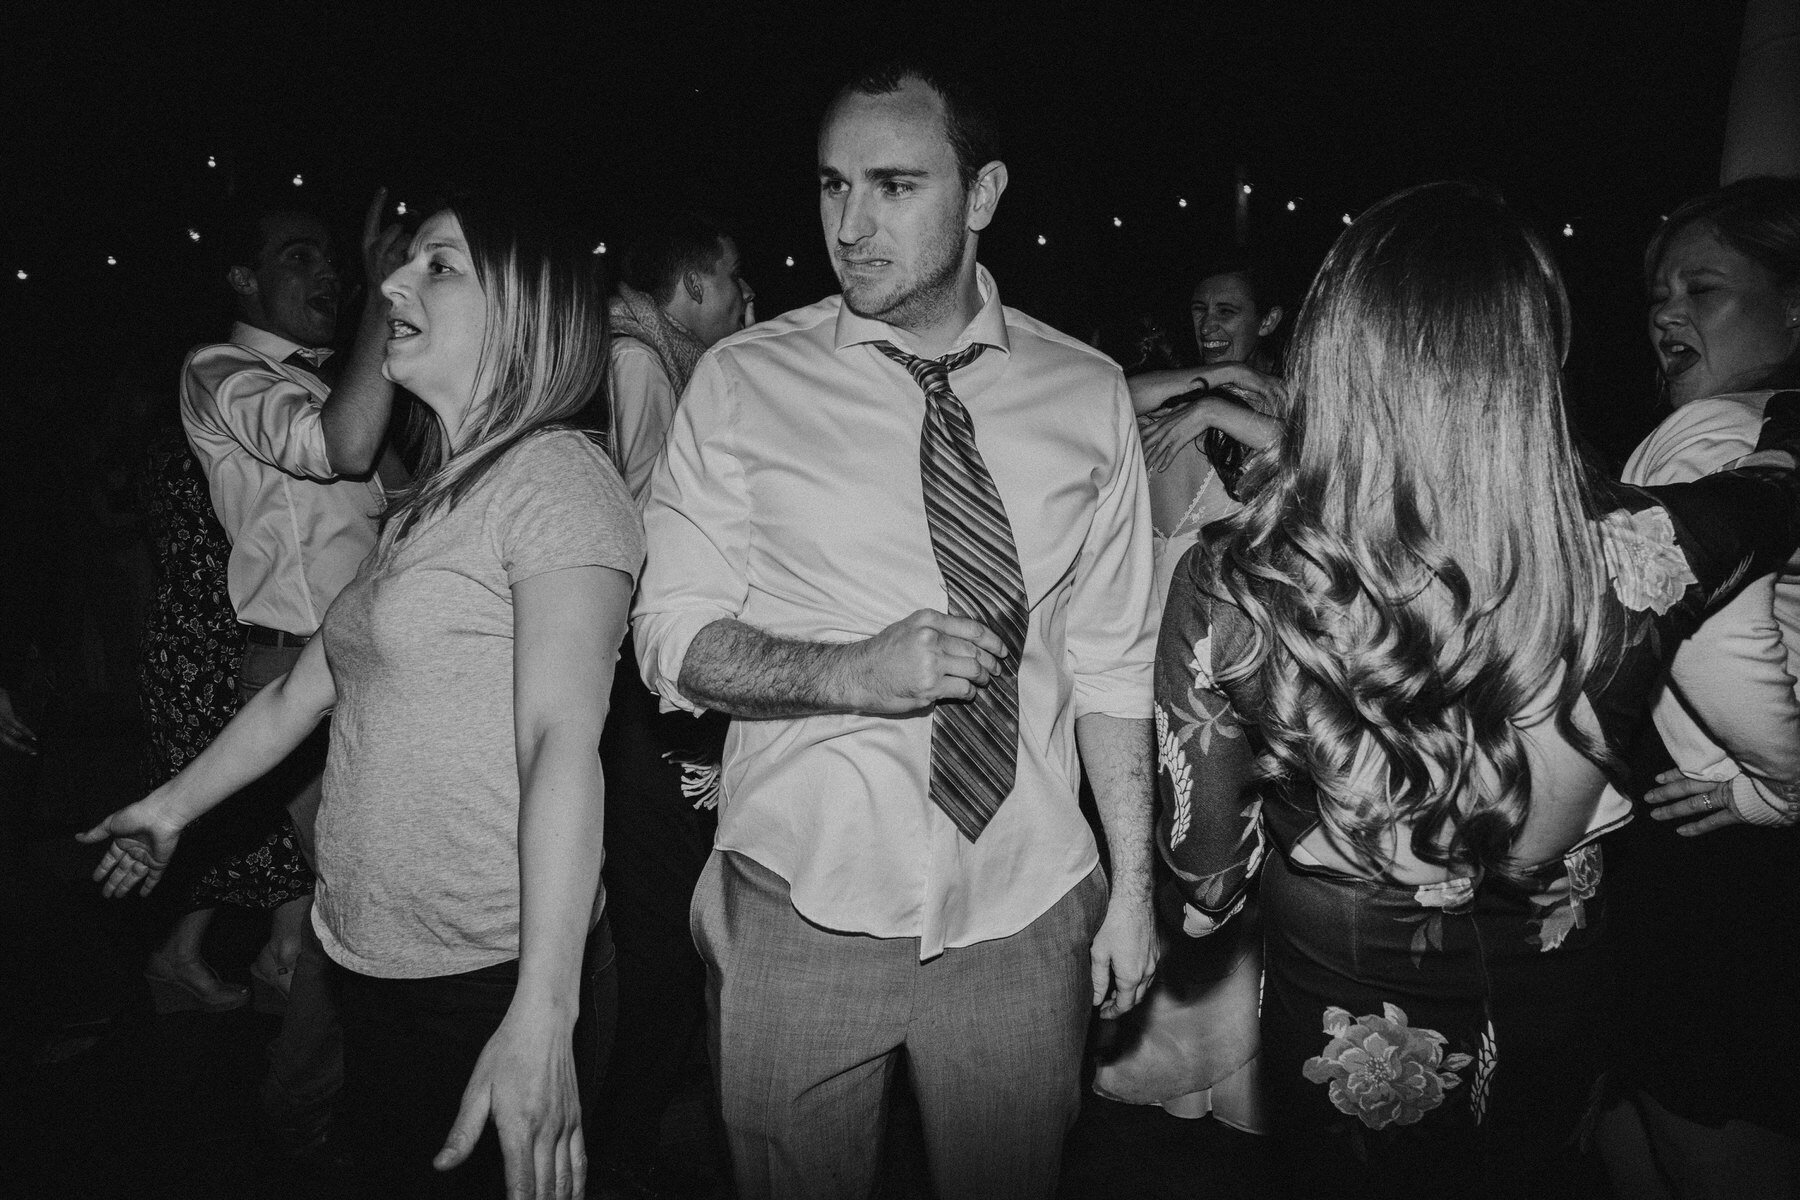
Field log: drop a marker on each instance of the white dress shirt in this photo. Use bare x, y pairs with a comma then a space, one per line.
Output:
788, 497
298, 532
1734, 707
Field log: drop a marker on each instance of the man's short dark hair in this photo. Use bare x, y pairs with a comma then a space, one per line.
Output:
246, 233
969, 119
662, 254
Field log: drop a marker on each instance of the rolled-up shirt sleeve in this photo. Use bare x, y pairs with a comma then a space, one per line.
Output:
276, 420
697, 527
1113, 608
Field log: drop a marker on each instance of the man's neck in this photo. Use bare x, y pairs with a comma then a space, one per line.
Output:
935, 337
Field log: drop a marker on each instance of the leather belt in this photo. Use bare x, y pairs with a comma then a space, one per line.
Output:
262, 635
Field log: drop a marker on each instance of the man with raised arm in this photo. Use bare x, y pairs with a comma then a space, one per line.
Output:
903, 533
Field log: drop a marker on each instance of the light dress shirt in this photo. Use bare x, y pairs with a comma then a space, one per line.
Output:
788, 497
298, 531
1733, 711
643, 403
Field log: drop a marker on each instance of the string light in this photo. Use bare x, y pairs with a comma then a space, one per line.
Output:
1181, 202
1568, 231
211, 161
23, 276
1246, 189
298, 180
1118, 224
600, 249
1042, 241
111, 261
790, 260
1291, 206
1346, 218
400, 208
193, 234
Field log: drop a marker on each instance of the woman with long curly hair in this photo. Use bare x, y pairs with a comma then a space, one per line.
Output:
1398, 685
466, 668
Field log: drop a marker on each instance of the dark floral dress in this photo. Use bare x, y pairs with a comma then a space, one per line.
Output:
240, 855
1447, 1039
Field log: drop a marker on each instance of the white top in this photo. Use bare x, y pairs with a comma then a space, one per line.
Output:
643, 399
297, 530
1735, 703
788, 497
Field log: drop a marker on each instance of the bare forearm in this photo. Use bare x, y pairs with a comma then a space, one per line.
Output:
736, 668
356, 414
1153, 389
265, 731
561, 815
1116, 753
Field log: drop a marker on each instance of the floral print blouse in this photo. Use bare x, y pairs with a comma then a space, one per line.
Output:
1673, 554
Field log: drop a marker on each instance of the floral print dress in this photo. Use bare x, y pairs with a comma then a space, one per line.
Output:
187, 690
1453, 1032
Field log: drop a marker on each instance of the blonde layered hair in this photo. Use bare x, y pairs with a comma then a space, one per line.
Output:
543, 357
1418, 561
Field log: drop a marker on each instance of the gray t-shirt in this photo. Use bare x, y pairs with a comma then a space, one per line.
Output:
418, 834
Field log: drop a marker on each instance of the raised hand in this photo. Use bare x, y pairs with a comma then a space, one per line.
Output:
383, 249
919, 660
143, 842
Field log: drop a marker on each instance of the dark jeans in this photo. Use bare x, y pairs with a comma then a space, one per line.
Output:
410, 1046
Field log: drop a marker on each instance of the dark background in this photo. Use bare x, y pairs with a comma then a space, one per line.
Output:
1598, 115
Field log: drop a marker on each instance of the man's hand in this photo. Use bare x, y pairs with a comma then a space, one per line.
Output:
1124, 954
525, 1080
919, 660
383, 250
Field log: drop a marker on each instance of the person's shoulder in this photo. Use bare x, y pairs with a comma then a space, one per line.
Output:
1025, 331
214, 363
779, 333
556, 452
1699, 437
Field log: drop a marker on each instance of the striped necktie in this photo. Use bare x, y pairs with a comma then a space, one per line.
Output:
974, 743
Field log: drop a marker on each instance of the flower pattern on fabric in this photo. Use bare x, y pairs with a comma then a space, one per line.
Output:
1648, 569
1382, 1071
1564, 900
1434, 900
1172, 760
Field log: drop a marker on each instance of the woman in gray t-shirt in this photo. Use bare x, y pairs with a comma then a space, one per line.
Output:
467, 670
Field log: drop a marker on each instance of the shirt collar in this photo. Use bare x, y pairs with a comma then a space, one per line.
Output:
273, 344
987, 327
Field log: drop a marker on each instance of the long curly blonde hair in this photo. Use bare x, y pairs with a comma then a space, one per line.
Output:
1417, 559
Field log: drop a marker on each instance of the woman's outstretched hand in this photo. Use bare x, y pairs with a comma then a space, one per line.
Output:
143, 842
525, 1081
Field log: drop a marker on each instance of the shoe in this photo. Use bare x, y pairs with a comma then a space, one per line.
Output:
269, 985
190, 987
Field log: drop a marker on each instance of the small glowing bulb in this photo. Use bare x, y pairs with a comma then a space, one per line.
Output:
23, 275
600, 248
211, 161
193, 234
1664, 217
1042, 241
298, 180
1290, 206
1568, 231
1181, 202
1346, 218
790, 260
111, 261
1118, 224
1246, 189
400, 208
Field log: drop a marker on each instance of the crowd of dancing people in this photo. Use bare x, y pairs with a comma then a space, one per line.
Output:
587, 676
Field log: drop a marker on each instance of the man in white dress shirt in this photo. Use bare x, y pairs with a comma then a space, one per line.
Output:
289, 462
853, 909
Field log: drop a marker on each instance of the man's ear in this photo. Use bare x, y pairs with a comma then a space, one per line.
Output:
690, 283
1270, 322
984, 195
242, 280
